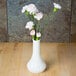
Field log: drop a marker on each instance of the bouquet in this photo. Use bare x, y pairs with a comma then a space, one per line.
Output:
35, 16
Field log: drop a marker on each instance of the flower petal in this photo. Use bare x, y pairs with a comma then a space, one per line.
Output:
39, 16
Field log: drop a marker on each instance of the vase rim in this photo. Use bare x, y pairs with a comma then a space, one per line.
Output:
36, 40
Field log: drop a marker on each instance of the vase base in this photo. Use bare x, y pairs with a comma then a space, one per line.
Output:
36, 68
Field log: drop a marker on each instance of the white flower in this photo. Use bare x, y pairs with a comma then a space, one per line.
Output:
32, 32
38, 34
29, 25
39, 16
57, 6
24, 8
32, 9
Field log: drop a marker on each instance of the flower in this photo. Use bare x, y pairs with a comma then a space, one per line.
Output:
24, 8
32, 9
39, 16
32, 32
29, 25
38, 34
57, 6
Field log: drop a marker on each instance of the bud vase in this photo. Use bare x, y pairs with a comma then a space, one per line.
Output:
36, 63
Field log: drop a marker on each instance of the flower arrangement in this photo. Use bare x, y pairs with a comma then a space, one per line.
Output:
35, 16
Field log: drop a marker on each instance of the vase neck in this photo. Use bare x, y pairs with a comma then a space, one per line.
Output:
36, 47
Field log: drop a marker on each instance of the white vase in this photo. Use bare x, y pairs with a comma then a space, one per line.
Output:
36, 64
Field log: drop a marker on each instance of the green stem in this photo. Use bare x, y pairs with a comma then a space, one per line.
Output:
35, 32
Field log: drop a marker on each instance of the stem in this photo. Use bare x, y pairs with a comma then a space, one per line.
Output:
35, 32
39, 26
35, 27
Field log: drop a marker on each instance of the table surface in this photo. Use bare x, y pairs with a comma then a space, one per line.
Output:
59, 57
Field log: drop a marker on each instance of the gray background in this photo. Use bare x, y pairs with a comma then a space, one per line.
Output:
55, 28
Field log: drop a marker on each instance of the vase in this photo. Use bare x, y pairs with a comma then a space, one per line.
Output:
36, 63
